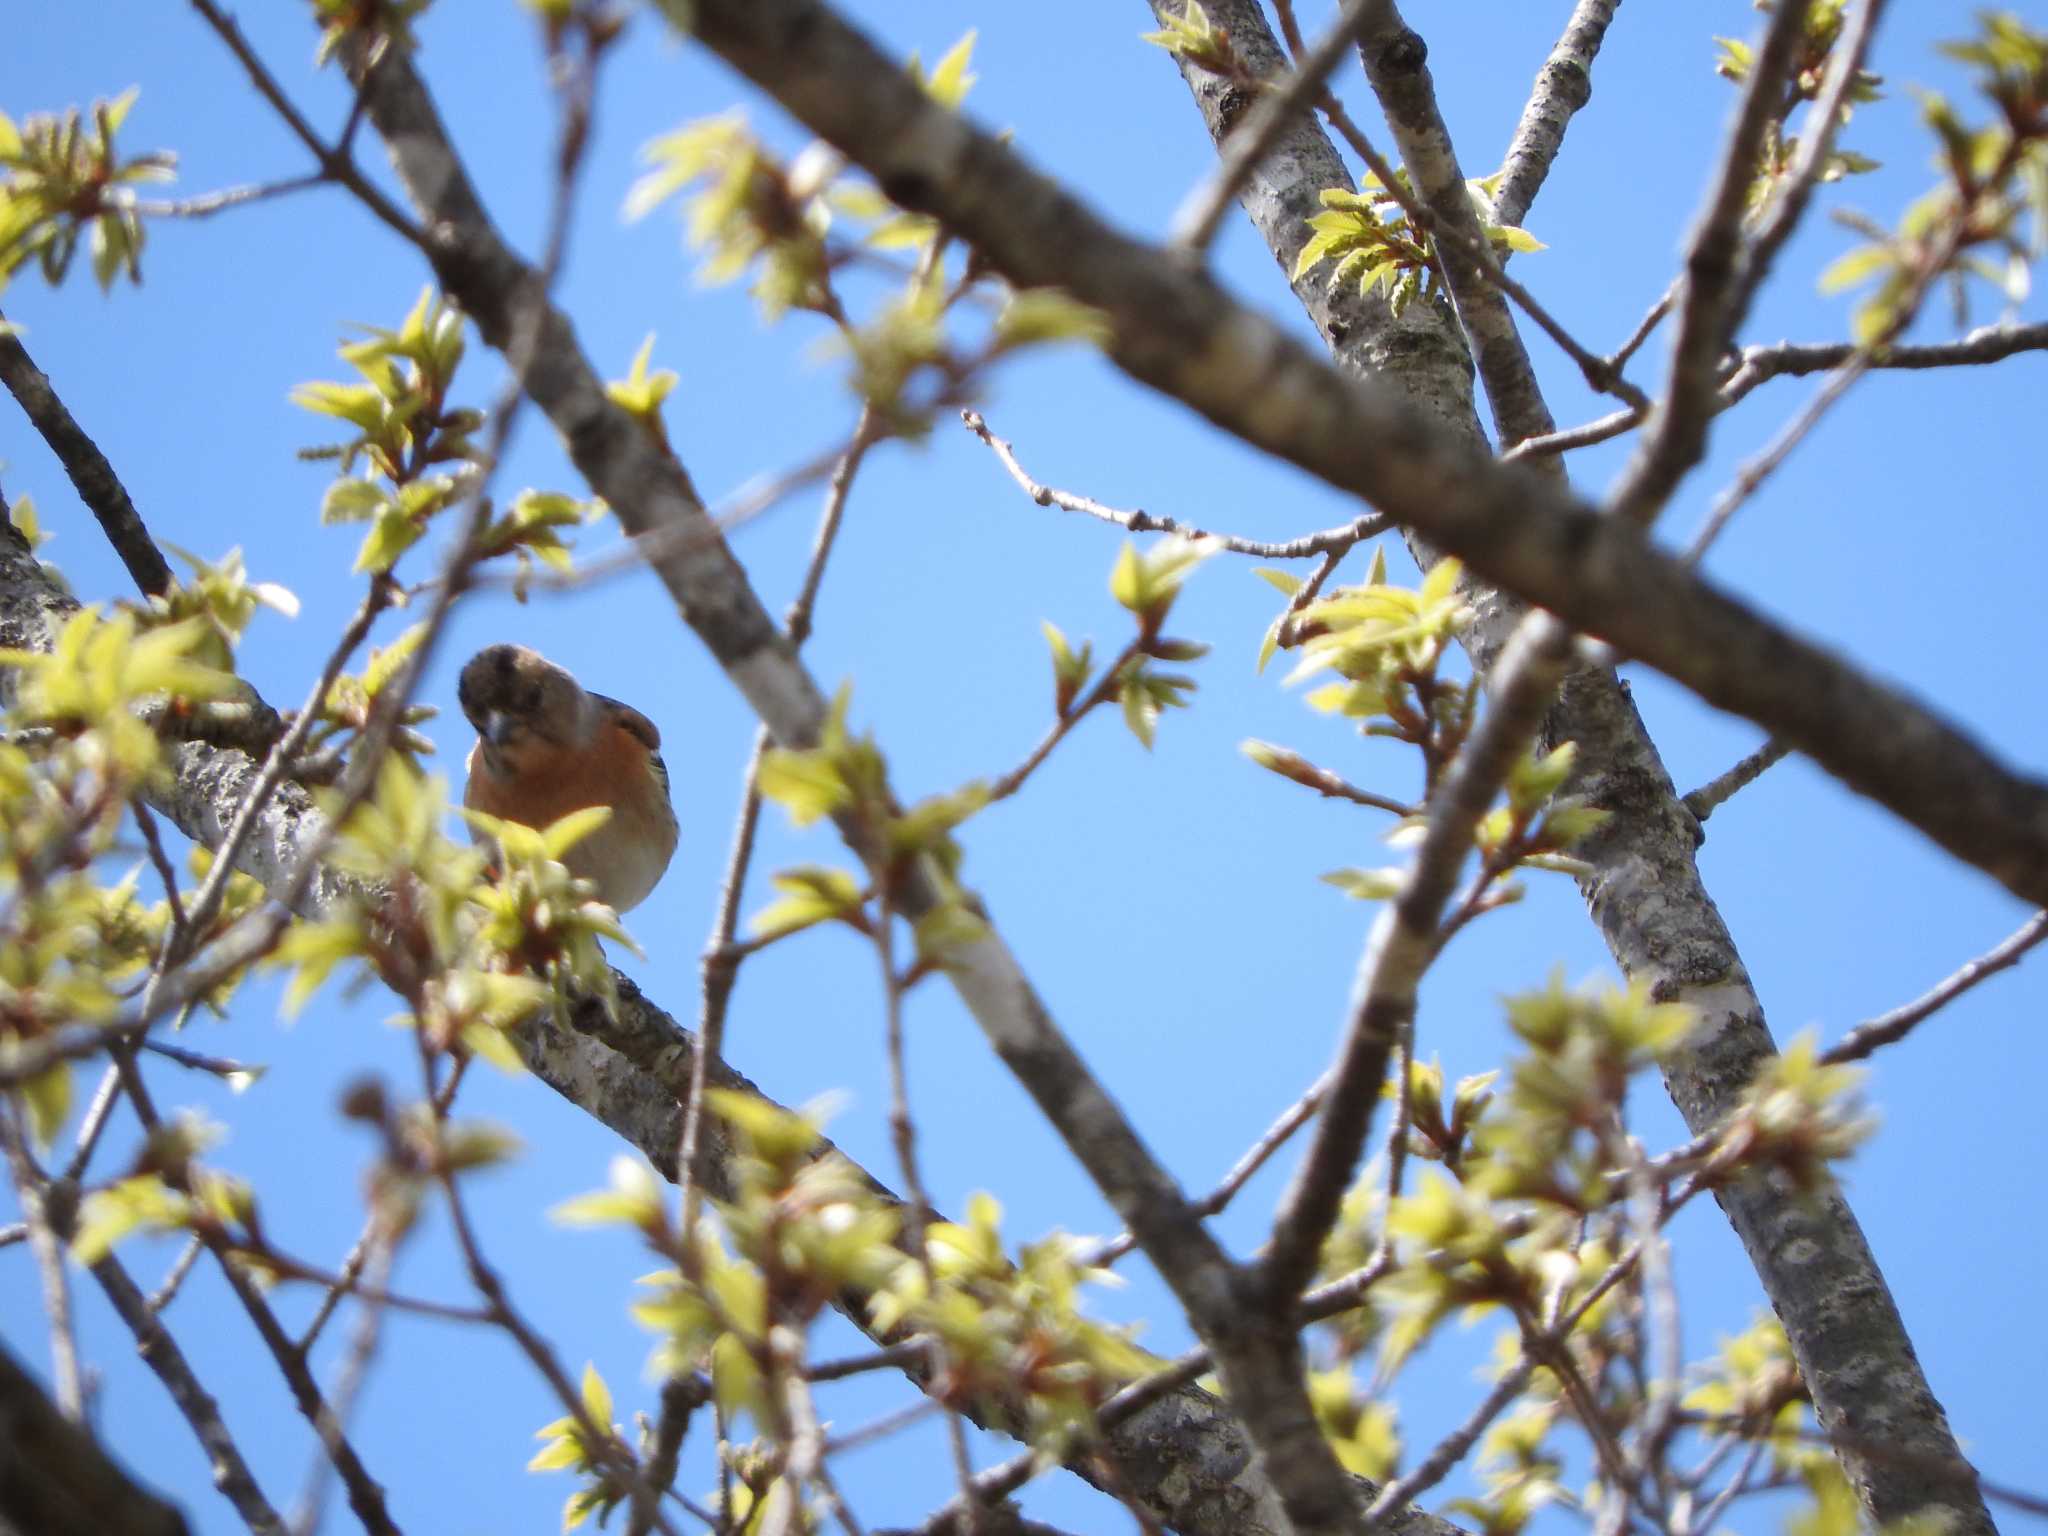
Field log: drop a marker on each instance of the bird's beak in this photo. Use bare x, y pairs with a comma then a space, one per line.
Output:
498, 727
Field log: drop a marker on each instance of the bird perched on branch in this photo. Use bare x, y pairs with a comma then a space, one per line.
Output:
546, 747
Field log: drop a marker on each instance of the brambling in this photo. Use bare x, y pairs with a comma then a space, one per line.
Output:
545, 747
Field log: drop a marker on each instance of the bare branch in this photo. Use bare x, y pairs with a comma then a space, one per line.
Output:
1986, 344
160, 1352
1709, 797
1712, 295
1395, 63
1138, 520
32, 1189
97, 484
1563, 86
207, 204
1900, 1022
337, 164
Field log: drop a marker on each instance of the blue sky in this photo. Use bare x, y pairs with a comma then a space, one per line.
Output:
1166, 903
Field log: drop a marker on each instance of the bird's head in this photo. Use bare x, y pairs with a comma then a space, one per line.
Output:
520, 701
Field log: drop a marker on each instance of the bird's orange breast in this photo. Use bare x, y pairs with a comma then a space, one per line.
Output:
627, 855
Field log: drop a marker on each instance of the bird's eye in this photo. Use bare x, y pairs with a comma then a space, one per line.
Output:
529, 697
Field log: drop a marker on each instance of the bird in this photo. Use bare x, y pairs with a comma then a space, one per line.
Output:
545, 747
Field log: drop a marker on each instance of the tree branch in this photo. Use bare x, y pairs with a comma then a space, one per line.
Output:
1886, 1028
1178, 332
1645, 892
1138, 520
1396, 63
1259, 1360
55, 1480
97, 484
1195, 224
1713, 291
1563, 86
1403, 941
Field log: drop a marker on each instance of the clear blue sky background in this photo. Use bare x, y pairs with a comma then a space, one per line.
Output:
1165, 904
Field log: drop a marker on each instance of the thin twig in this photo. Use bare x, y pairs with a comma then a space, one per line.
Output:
1824, 119
1985, 344
366, 1498
722, 954
1900, 1022
336, 164
206, 904
208, 204
1716, 792
1249, 1162
174, 1277
160, 1352
1137, 520
45, 1241
1564, 440
903, 1135
214, 1066
355, 1365
1644, 327
1756, 470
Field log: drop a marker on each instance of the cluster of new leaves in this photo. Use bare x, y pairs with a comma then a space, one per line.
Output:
1010, 1332
221, 599
1988, 218
1822, 32
845, 776
1146, 583
473, 942
404, 427
749, 210
1504, 1218
72, 952
801, 1227
405, 431
1371, 237
387, 22
170, 1191
1195, 37
1535, 1203
344, 713
61, 177
1387, 644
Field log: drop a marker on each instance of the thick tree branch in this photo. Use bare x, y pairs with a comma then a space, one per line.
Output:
1563, 86
1396, 63
97, 484
55, 1480
1195, 225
